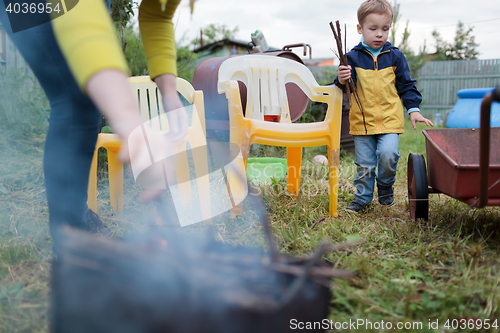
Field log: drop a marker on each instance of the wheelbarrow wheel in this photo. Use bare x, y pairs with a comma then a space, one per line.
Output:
418, 194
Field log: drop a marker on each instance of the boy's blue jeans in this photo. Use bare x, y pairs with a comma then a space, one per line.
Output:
73, 125
374, 152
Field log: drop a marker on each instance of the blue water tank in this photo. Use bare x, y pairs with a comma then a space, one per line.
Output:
466, 112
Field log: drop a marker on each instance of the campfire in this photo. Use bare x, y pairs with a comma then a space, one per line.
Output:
173, 281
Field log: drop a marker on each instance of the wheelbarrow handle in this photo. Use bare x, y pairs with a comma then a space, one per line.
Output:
484, 145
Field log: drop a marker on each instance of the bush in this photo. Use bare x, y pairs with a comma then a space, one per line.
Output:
23, 104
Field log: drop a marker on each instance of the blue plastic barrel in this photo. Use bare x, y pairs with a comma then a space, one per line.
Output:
466, 112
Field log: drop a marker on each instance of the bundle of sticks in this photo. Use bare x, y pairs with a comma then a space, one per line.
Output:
343, 62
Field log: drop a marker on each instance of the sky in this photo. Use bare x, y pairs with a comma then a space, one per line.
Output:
307, 21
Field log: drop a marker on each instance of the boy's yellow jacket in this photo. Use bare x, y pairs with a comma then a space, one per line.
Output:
382, 83
89, 41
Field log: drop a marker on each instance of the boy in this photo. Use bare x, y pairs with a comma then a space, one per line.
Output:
382, 79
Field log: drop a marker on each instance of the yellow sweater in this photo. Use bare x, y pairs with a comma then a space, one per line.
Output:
89, 42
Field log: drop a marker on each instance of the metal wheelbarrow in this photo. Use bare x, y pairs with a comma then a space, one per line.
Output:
454, 166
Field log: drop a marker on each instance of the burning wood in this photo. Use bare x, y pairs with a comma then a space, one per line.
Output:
172, 281
343, 61
193, 284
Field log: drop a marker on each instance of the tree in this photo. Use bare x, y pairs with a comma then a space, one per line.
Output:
136, 58
464, 46
122, 13
186, 60
415, 61
395, 19
134, 52
215, 32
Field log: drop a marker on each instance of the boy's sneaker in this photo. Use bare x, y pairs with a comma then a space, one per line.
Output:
386, 196
355, 206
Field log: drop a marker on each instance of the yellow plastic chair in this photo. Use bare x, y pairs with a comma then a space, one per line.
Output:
151, 107
265, 78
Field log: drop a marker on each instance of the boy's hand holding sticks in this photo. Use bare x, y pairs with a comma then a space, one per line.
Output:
344, 70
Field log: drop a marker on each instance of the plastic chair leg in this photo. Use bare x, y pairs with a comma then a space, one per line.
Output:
200, 159
183, 179
333, 179
236, 185
294, 162
92, 187
115, 172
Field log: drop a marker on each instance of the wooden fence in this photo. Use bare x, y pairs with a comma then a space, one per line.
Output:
10, 57
439, 81
12, 63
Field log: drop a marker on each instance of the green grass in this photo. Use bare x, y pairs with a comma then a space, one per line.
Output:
401, 276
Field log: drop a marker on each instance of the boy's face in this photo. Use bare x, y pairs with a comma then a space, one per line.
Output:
375, 30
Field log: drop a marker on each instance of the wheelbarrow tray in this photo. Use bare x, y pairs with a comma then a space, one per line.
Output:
453, 163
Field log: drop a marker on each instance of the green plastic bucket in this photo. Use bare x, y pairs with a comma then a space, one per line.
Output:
260, 170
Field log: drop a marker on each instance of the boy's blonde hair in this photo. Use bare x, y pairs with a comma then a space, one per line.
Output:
374, 7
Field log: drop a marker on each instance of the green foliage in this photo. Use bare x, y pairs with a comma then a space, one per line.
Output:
401, 275
186, 60
134, 52
11, 293
23, 104
326, 75
122, 11
415, 61
314, 112
136, 57
215, 32
106, 129
463, 47
395, 19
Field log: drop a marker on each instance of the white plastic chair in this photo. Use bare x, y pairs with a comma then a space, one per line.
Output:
151, 107
265, 78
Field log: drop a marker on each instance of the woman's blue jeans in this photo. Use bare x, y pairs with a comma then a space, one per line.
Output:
374, 152
73, 125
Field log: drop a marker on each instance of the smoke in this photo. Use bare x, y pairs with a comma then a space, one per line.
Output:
167, 280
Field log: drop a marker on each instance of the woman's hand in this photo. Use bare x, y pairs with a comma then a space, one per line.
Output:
174, 109
112, 94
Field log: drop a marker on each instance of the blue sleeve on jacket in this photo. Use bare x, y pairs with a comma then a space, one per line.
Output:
405, 85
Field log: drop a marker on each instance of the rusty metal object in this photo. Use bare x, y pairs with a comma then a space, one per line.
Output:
453, 163
456, 169
216, 110
305, 46
297, 100
484, 145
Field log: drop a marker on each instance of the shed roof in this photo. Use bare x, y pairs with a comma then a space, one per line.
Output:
227, 41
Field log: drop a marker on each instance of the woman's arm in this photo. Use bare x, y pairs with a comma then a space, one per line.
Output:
88, 41
176, 114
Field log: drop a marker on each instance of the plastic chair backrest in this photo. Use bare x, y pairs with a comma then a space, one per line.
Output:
265, 78
149, 99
